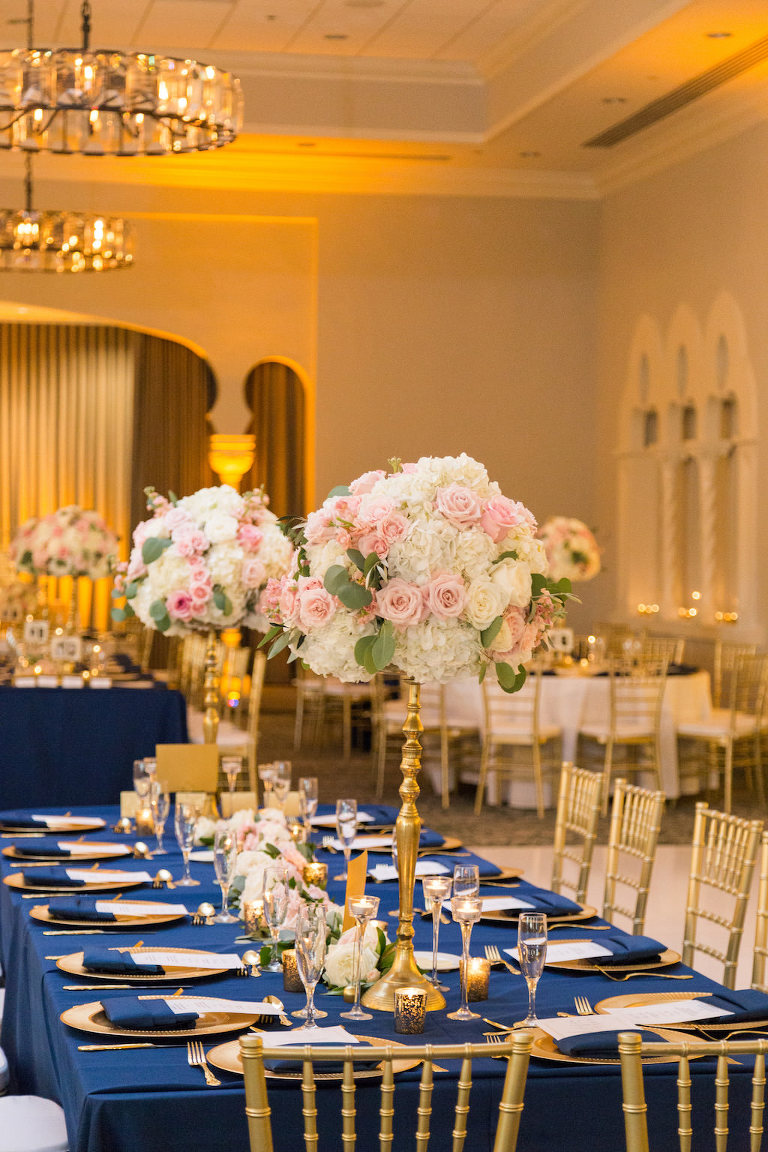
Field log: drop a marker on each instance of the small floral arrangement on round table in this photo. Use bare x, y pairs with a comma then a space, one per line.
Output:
572, 550
71, 541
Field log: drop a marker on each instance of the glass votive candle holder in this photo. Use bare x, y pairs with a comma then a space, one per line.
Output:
478, 976
291, 979
145, 825
298, 832
316, 873
253, 910
410, 1010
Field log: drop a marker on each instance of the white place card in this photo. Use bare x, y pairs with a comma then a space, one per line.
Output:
100, 682
423, 868
25, 681
497, 904
570, 950
204, 1004
45, 681
229, 960
629, 1019
72, 681
672, 1012
80, 848
330, 821
362, 842
137, 909
65, 822
97, 875
335, 1035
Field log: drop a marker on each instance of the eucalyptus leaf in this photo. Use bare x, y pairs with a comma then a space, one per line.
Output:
131, 589
274, 630
383, 647
363, 647
512, 555
157, 609
510, 680
489, 634
357, 558
281, 642
153, 548
354, 596
335, 579
118, 614
339, 490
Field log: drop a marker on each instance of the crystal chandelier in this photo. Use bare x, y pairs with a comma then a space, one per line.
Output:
77, 100
33, 241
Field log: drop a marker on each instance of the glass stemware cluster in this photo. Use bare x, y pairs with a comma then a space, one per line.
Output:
346, 830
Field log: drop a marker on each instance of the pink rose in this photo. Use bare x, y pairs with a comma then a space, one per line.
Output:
372, 542
189, 540
175, 518
289, 604
459, 504
316, 607
249, 536
180, 606
500, 515
446, 595
508, 637
254, 573
343, 538
401, 603
143, 531
318, 527
365, 483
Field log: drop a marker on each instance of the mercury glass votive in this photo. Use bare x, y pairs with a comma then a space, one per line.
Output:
410, 1010
478, 976
291, 979
253, 910
145, 825
316, 873
298, 832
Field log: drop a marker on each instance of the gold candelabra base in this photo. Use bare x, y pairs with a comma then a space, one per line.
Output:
404, 972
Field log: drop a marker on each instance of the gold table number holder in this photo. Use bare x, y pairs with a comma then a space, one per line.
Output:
404, 972
211, 692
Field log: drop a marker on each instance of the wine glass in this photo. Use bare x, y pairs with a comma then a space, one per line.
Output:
466, 912
185, 819
275, 894
232, 766
224, 860
140, 779
150, 766
466, 880
160, 803
363, 908
436, 889
346, 829
281, 781
266, 775
532, 952
311, 934
308, 799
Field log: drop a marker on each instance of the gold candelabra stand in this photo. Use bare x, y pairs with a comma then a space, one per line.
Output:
211, 692
404, 972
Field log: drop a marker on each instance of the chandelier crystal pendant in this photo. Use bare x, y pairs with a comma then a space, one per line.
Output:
97, 103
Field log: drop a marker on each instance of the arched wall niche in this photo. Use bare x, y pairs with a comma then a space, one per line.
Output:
687, 507
280, 396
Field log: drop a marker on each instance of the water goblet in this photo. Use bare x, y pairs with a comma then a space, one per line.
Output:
311, 935
363, 908
307, 799
266, 775
224, 860
140, 779
466, 912
466, 880
436, 889
281, 781
346, 829
532, 952
160, 803
275, 894
232, 766
185, 820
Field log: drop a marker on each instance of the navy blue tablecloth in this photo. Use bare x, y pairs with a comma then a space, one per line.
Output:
66, 747
153, 1100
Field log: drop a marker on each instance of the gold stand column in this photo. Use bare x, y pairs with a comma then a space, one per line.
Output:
404, 972
211, 692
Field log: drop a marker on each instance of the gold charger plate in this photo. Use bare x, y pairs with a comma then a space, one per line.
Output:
18, 880
96, 852
503, 874
512, 915
92, 1018
227, 1057
666, 958
545, 1048
628, 1000
72, 825
41, 913
73, 964
450, 844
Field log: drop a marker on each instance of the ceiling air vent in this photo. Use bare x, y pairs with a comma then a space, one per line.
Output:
678, 98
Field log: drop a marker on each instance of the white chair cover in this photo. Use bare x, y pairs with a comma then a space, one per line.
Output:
31, 1124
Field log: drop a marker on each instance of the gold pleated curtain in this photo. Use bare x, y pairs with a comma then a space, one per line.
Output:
275, 395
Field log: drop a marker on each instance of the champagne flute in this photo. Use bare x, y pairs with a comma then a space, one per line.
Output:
160, 803
281, 781
232, 766
266, 775
140, 779
363, 908
275, 907
532, 952
311, 935
436, 889
346, 829
185, 819
466, 880
308, 799
466, 912
224, 860
150, 766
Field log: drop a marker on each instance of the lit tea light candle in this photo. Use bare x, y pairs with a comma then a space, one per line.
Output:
316, 873
253, 910
478, 976
298, 833
291, 979
410, 1010
145, 825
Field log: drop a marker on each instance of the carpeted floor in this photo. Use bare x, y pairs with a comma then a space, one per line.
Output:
494, 825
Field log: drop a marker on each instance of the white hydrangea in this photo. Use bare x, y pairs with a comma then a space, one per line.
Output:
206, 501
330, 651
438, 650
474, 553
429, 547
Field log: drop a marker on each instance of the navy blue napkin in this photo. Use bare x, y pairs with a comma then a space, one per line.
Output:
745, 1004
427, 839
291, 1062
600, 1045
48, 846
19, 818
77, 908
627, 949
121, 963
47, 878
541, 900
145, 1015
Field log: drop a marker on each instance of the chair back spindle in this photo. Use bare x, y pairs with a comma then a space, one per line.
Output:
578, 812
635, 823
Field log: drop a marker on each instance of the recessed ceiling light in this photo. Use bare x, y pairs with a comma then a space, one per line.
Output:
529, 155
336, 36
719, 35
614, 99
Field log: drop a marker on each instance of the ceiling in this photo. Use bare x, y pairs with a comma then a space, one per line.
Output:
481, 97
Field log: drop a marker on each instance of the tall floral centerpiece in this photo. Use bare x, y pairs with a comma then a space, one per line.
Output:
430, 569
200, 563
571, 548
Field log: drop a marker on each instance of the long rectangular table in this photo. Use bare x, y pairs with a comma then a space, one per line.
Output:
152, 1100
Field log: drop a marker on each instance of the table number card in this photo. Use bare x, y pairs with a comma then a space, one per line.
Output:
36, 632
356, 873
67, 649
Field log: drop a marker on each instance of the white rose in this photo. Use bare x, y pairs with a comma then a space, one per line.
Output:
340, 959
220, 527
513, 579
485, 601
204, 829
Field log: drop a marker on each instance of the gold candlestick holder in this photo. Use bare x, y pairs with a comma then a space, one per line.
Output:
211, 692
404, 972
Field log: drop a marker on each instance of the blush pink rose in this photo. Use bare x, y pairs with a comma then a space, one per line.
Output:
392, 527
254, 573
446, 595
316, 607
365, 483
143, 531
500, 515
343, 538
200, 591
175, 518
289, 604
318, 528
508, 637
401, 603
188, 540
372, 542
249, 536
180, 606
459, 504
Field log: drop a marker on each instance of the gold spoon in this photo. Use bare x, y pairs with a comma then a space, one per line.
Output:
141, 851
252, 958
278, 1004
163, 878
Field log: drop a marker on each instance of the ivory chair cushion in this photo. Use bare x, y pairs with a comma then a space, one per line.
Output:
32, 1124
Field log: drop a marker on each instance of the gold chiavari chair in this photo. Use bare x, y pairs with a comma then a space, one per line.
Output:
635, 823
578, 811
722, 863
760, 957
632, 1052
233, 741
725, 658
634, 720
668, 648
259, 1112
511, 722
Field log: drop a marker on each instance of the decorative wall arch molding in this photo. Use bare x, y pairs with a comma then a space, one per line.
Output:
308, 386
642, 389
725, 329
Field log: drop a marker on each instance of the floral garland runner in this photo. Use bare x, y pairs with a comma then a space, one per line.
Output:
428, 568
572, 550
68, 542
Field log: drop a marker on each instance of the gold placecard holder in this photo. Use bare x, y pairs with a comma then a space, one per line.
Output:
404, 972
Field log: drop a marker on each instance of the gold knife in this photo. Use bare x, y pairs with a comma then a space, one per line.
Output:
122, 1047
73, 932
101, 987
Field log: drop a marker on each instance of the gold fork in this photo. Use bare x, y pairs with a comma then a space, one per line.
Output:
492, 953
583, 1006
629, 975
328, 844
196, 1059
